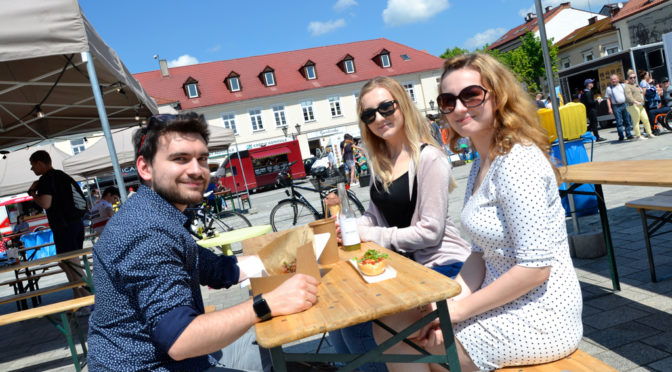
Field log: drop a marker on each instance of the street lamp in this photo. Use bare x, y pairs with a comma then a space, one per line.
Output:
284, 131
431, 105
298, 129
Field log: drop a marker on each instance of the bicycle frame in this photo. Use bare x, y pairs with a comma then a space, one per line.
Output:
295, 195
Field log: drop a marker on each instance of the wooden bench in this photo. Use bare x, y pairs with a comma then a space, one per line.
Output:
64, 321
660, 203
34, 278
40, 292
578, 361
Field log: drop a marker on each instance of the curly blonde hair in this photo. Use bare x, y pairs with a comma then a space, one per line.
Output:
415, 129
516, 118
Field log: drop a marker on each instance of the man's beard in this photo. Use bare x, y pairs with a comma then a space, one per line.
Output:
173, 195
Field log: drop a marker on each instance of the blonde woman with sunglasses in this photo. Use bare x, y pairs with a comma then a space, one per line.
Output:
520, 302
408, 211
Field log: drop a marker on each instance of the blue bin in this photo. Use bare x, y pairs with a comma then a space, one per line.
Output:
39, 238
585, 205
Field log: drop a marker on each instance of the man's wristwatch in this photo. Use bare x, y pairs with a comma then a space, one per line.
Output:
261, 308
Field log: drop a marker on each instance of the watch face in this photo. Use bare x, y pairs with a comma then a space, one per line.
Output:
261, 308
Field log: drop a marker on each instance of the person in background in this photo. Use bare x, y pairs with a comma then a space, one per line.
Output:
434, 129
615, 96
540, 101
348, 155
21, 225
521, 301
591, 107
410, 184
331, 158
103, 210
667, 92
652, 97
635, 100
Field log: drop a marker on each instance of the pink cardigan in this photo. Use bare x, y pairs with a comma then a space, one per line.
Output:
432, 236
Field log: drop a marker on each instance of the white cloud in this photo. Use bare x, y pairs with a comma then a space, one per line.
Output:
215, 48
183, 60
523, 12
341, 5
485, 37
317, 28
401, 12
589, 5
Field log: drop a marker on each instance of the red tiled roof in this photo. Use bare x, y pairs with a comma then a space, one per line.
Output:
530, 25
634, 7
287, 65
603, 25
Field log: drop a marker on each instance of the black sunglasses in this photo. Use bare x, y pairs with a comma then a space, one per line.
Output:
386, 109
471, 96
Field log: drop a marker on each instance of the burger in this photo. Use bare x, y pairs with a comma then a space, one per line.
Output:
372, 263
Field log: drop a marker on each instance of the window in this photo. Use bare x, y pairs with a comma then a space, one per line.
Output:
269, 78
307, 108
310, 72
587, 55
385, 60
279, 113
356, 95
335, 106
611, 49
409, 90
229, 120
405, 57
565, 62
349, 66
255, 118
234, 84
192, 91
77, 146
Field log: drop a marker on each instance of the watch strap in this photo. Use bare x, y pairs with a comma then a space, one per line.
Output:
261, 308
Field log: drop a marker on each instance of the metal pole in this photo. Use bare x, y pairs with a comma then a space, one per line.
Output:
242, 170
634, 68
100, 105
554, 101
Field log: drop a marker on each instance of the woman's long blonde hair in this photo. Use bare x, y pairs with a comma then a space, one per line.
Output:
415, 129
516, 118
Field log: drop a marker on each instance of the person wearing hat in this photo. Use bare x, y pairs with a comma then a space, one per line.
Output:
591, 107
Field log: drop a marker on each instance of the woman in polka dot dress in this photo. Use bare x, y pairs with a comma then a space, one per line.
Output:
521, 301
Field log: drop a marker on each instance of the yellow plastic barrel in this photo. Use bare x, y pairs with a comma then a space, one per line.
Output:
573, 118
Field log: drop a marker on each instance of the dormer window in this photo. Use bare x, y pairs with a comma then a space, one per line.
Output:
308, 70
382, 59
191, 88
267, 77
233, 82
347, 64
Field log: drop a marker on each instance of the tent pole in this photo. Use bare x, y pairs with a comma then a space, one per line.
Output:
554, 102
93, 78
249, 201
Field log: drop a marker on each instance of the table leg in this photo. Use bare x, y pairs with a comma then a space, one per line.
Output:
64, 327
448, 336
647, 241
89, 276
278, 359
601, 206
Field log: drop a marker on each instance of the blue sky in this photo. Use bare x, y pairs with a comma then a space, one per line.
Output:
197, 31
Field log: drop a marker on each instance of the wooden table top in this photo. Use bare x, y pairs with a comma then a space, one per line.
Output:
624, 172
345, 299
45, 260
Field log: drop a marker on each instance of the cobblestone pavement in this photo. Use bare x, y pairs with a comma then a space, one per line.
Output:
630, 330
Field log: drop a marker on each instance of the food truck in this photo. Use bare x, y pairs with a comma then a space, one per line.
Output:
13, 206
260, 166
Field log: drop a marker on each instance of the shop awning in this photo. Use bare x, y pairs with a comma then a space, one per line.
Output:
270, 152
16, 200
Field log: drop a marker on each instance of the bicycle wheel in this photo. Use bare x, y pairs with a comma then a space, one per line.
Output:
290, 213
229, 220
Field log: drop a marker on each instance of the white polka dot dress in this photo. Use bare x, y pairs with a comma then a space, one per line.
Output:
516, 218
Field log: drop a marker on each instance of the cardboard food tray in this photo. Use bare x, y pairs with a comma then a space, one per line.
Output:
283, 247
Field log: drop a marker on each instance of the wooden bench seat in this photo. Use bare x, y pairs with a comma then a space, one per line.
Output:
41, 291
659, 203
32, 277
42, 311
578, 361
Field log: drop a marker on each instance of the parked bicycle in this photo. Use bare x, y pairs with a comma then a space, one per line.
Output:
297, 210
205, 221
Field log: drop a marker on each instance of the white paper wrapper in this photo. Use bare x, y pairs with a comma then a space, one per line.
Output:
389, 273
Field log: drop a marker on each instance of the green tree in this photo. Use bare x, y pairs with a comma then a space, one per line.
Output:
527, 61
456, 51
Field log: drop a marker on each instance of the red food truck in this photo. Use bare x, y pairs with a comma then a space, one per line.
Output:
13, 206
261, 166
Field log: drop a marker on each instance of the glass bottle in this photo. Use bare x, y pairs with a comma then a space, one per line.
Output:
348, 221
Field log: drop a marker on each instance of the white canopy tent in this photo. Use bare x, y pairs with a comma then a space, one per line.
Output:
15, 174
96, 159
59, 79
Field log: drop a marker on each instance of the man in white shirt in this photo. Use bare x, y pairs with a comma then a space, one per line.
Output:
616, 102
104, 209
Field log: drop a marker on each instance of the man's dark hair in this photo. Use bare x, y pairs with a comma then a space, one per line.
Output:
111, 191
146, 139
42, 156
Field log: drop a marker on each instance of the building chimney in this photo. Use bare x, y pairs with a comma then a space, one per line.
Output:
592, 20
530, 16
547, 9
164, 67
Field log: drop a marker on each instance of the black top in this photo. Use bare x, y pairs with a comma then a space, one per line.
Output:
396, 206
588, 100
348, 152
61, 188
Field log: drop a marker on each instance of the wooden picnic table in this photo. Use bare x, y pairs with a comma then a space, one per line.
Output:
624, 172
345, 299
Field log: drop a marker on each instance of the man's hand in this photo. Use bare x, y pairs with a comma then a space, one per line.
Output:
297, 294
32, 190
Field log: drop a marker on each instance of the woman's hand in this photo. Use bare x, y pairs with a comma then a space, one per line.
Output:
339, 239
